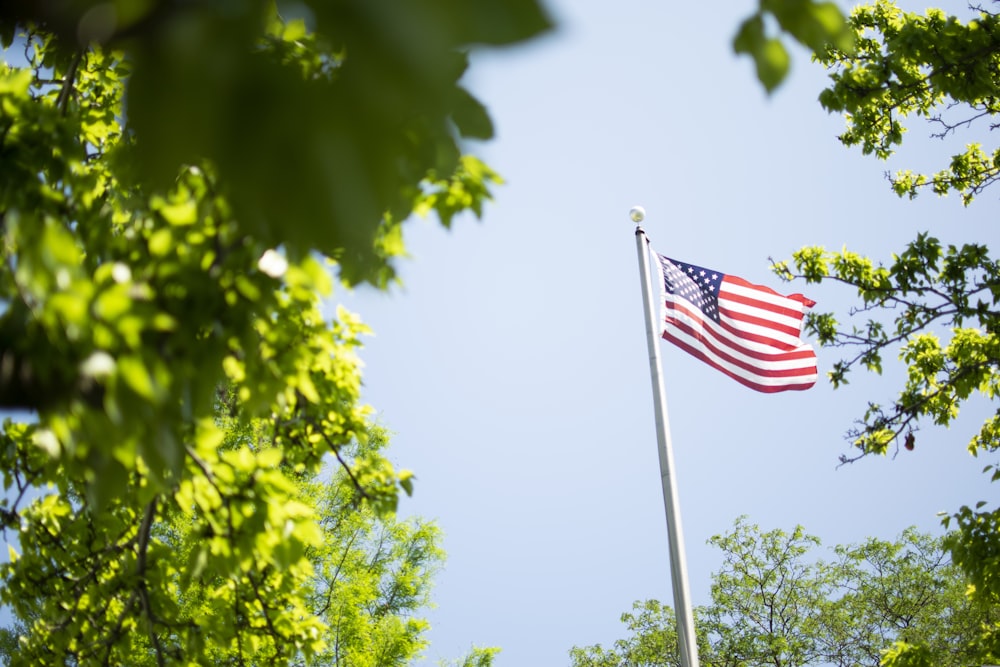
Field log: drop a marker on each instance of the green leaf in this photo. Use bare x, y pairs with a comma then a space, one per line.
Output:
179, 213
470, 116
7, 32
496, 21
772, 63
813, 24
406, 481
160, 242
750, 35
15, 82
135, 374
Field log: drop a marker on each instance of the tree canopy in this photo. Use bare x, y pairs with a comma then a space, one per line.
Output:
776, 602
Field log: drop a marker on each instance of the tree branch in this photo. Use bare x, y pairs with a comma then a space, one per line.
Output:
62, 101
142, 546
343, 464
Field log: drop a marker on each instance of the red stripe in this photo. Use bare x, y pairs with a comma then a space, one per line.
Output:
764, 388
749, 367
783, 350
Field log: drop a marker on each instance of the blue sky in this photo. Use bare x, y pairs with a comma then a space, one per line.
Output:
511, 365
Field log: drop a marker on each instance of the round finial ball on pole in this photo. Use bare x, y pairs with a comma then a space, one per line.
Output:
638, 214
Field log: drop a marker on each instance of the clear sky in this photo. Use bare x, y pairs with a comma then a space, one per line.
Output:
512, 366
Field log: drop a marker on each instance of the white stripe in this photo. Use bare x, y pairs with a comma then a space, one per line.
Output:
761, 295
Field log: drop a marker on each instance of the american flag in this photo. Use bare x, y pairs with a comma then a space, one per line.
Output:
749, 332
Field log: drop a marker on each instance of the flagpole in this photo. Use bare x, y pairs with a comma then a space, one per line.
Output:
686, 639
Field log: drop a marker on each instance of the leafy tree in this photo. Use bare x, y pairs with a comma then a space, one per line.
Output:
775, 603
178, 182
935, 306
372, 575
764, 596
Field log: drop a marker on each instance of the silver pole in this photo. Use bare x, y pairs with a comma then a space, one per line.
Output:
678, 567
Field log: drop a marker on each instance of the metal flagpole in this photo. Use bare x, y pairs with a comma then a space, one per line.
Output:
678, 567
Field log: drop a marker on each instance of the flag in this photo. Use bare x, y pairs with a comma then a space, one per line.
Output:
749, 332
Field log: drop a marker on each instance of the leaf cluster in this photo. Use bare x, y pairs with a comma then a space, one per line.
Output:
927, 292
933, 66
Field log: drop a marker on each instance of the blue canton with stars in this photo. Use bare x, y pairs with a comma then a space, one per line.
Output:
698, 285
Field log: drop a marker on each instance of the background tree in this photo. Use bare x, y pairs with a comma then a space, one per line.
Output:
902, 590
652, 640
775, 602
478, 656
765, 596
372, 575
935, 306
204, 578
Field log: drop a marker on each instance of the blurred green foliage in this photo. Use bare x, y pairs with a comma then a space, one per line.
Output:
149, 164
326, 127
182, 184
818, 26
